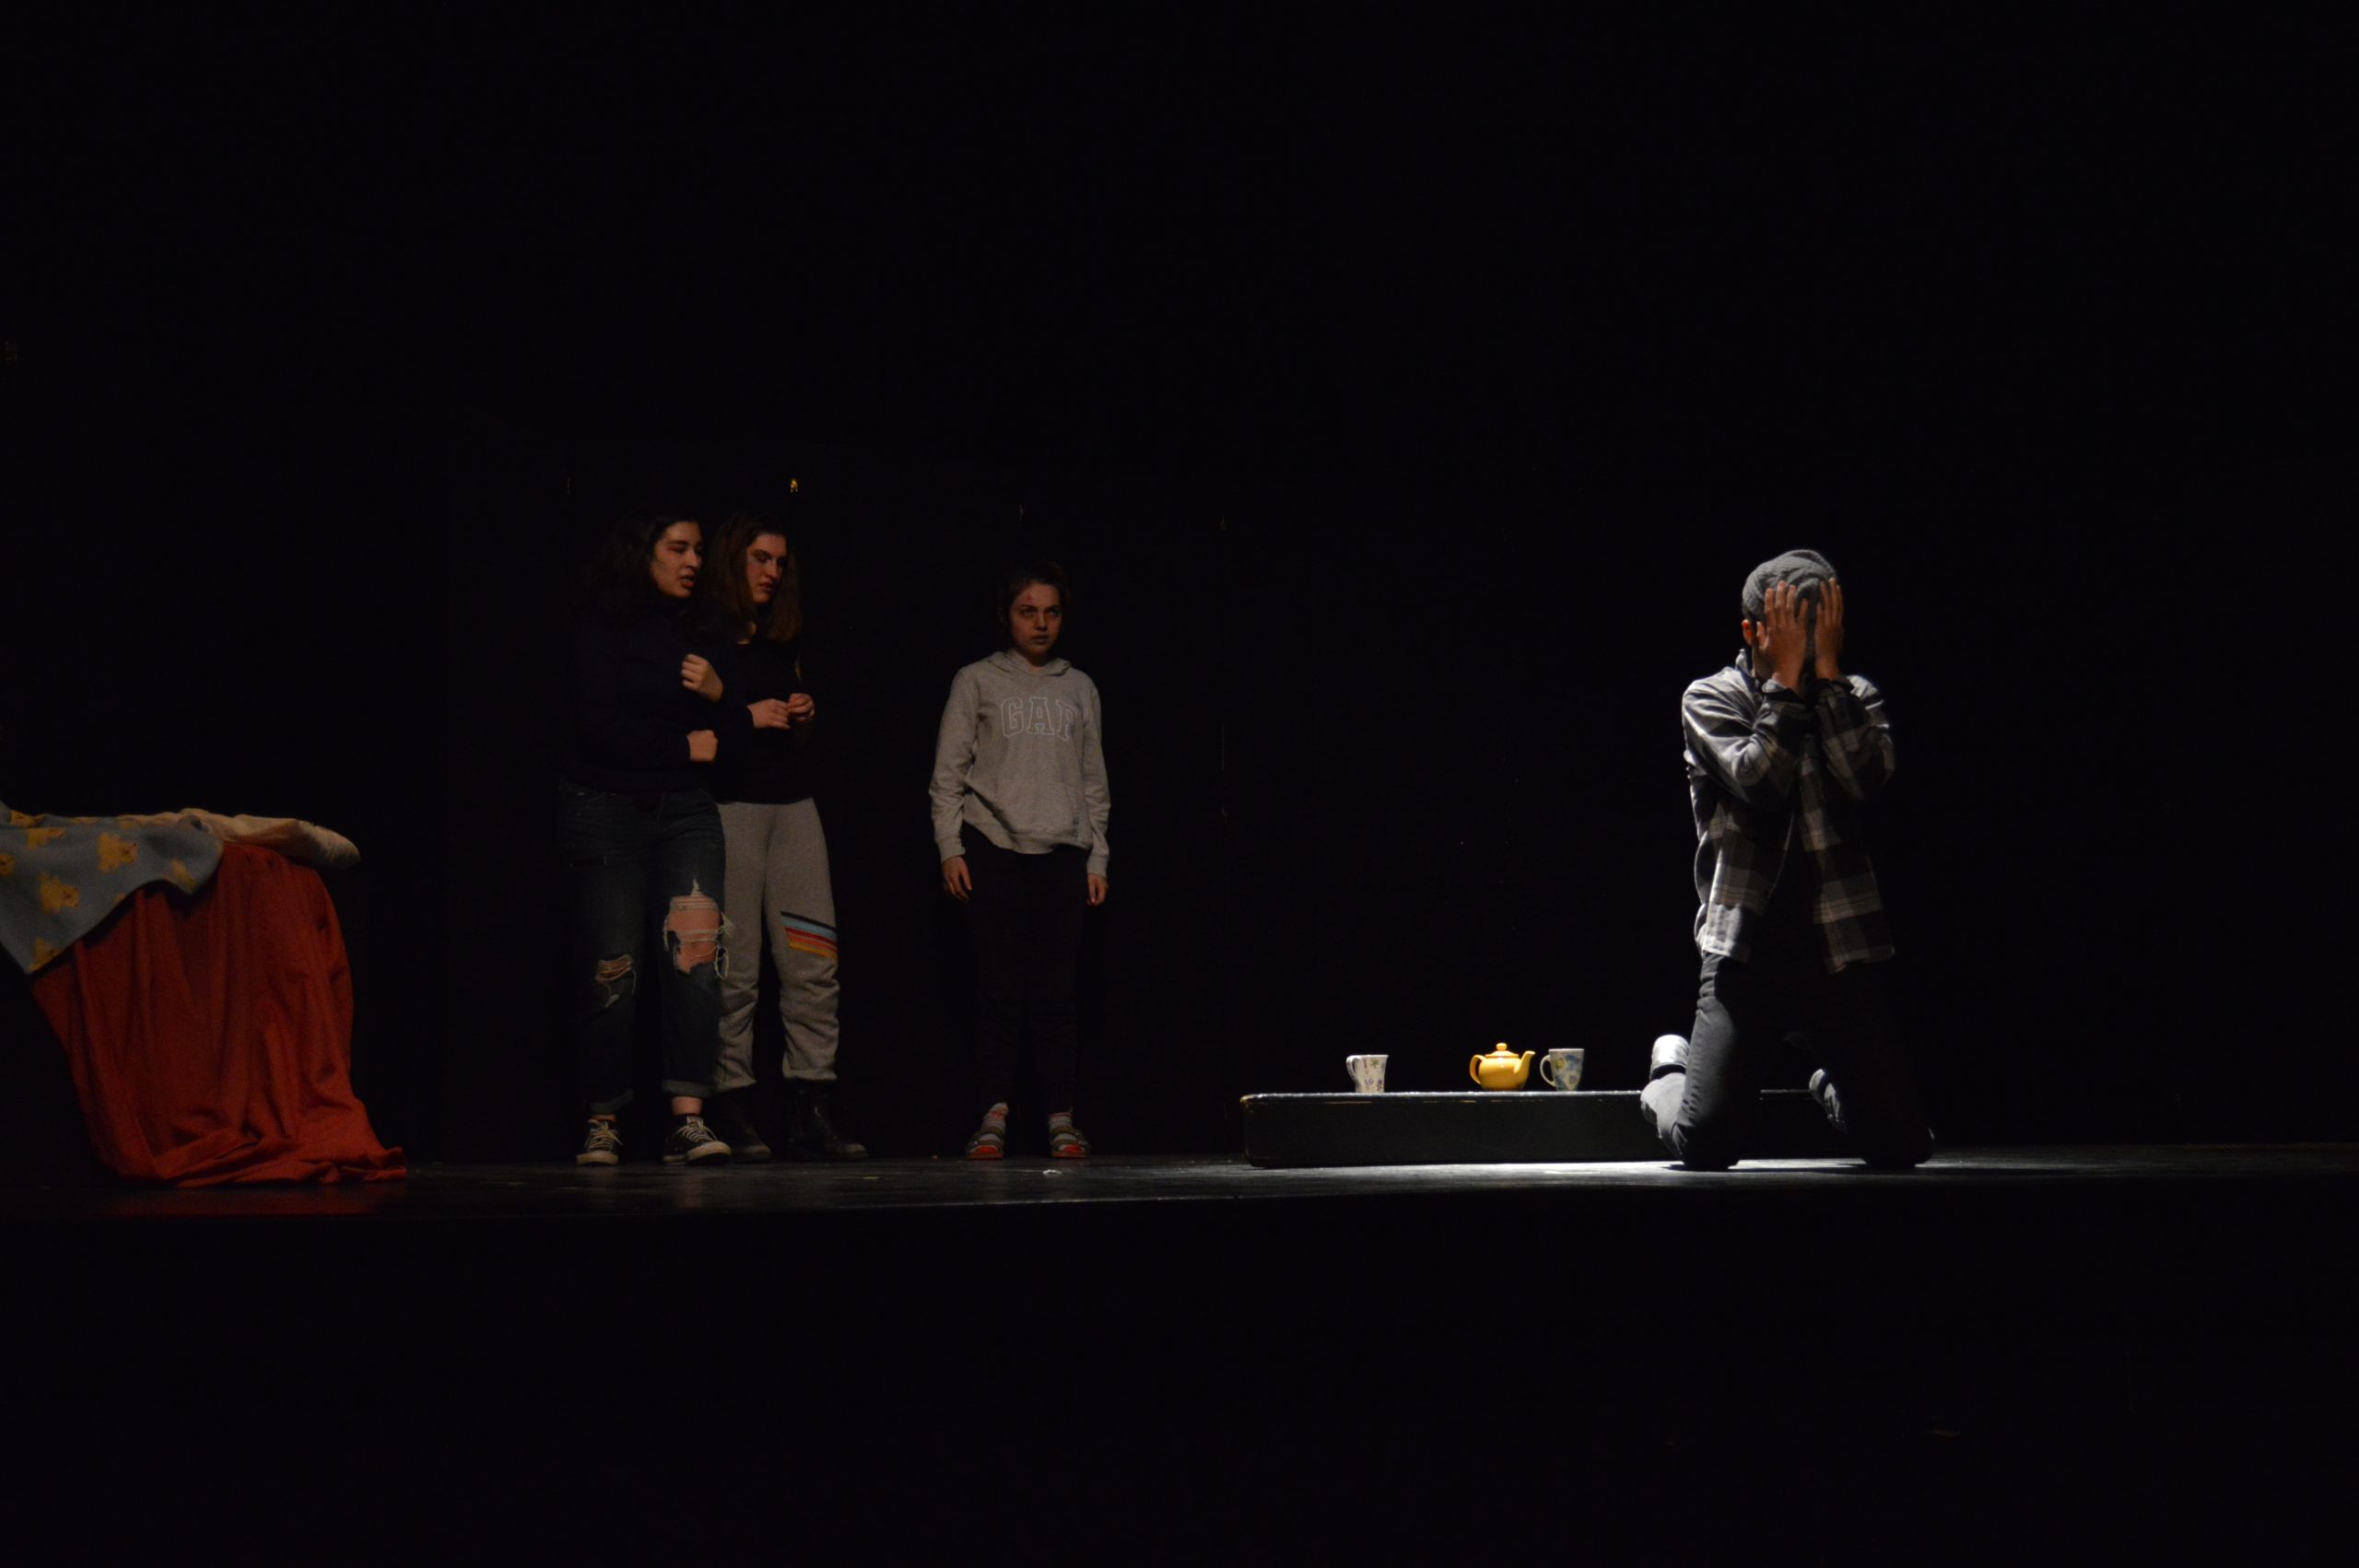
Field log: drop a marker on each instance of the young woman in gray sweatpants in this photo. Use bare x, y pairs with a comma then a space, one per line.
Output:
777, 877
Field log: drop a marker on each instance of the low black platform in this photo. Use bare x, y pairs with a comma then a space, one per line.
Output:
1522, 1127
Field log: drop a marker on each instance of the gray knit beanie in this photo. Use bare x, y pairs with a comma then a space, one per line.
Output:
1804, 568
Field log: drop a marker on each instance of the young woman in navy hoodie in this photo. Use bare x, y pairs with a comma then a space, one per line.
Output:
1020, 808
639, 836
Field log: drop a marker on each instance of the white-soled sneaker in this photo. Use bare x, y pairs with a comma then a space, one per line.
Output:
603, 1146
693, 1143
1822, 1089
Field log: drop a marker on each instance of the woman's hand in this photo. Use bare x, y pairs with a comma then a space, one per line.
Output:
703, 745
776, 713
954, 878
697, 675
1097, 890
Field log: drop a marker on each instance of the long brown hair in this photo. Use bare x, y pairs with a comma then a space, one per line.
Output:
725, 567
614, 581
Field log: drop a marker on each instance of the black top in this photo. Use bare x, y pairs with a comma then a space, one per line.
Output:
767, 767
631, 716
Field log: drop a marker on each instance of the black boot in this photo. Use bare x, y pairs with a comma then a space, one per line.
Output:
811, 1130
731, 1117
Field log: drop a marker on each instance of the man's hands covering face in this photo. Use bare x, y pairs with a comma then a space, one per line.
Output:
1830, 631
1790, 635
1781, 642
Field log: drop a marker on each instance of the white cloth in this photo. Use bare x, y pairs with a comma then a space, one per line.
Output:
296, 839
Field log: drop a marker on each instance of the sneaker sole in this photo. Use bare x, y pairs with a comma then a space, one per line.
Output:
1069, 1153
985, 1153
709, 1154
597, 1159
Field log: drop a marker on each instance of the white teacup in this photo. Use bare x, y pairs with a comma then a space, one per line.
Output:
1562, 1069
1367, 1074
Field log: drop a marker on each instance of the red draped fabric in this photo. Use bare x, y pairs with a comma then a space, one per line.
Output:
211, 1036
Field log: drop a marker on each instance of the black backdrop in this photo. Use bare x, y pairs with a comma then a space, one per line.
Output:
1407, 409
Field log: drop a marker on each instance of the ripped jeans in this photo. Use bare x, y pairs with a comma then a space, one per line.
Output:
644, 873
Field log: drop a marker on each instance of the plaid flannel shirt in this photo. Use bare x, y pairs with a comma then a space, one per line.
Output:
1770, 773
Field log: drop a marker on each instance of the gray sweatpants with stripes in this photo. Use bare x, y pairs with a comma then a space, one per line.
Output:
776, 883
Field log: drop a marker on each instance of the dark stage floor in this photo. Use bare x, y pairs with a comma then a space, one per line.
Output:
2053, 1352
553, 1191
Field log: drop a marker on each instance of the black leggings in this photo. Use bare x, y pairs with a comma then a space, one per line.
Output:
1026, 912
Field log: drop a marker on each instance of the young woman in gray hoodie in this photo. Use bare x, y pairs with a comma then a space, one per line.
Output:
1020, 808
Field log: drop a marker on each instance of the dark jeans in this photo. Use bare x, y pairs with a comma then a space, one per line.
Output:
1026, 912
1743, 1012
645, 876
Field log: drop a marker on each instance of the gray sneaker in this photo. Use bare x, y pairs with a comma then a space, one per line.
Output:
1822, 1089
1669, 1054
603, 1146
692, 1143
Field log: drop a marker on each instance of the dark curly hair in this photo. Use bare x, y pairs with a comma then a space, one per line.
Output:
724, 570
615, 580
1047, 574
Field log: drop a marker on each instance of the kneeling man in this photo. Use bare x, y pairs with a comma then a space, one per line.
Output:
1784, 752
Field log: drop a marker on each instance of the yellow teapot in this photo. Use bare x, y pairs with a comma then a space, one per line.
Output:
1500, 1069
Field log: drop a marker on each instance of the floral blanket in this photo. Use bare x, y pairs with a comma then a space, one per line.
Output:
60, 875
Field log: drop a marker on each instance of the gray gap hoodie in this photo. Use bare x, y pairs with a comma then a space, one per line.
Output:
1019, 758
